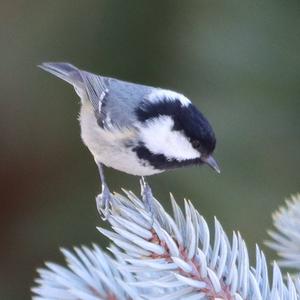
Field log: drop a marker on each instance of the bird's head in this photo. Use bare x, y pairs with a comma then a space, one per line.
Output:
174, 133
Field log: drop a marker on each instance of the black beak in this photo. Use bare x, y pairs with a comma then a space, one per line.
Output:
212, 163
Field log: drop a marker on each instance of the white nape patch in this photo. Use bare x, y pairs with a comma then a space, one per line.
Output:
159, 138
161, 94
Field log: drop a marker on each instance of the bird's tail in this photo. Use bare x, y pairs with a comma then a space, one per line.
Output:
64, 71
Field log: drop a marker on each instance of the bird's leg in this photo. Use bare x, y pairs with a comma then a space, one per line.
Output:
103, 200
147, 197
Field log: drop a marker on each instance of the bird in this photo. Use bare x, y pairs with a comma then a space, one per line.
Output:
137, 129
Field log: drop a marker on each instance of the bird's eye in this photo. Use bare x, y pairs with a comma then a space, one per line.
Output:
195, 144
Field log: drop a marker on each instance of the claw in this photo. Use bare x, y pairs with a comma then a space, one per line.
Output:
103, 202
148, 197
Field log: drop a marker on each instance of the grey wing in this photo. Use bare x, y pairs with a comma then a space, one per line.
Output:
97, 88
114, 101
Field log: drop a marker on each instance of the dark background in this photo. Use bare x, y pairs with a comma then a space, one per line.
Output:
237, 60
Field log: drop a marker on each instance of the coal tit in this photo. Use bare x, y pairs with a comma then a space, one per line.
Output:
138, 129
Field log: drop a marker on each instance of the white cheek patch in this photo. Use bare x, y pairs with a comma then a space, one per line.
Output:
160, 95
159, 138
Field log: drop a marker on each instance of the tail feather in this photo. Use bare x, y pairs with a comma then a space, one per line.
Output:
64, 71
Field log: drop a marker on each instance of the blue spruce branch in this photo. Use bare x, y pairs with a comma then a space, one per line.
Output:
286, 236
160, 256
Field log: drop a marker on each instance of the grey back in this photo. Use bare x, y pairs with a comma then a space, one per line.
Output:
114, 101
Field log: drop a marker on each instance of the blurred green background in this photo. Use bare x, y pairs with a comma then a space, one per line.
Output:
239, 61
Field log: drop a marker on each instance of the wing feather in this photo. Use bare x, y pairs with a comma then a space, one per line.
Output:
97, 87
114, 101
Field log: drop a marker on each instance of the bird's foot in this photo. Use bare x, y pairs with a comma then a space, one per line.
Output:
148, 198
103, 201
